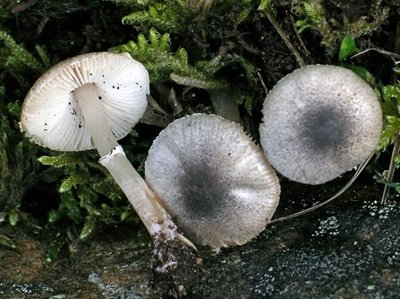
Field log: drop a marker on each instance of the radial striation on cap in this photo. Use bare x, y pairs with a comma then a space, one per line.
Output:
51, 115
319, 122
213, 180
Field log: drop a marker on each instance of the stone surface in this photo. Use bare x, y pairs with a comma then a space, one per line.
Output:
349, 249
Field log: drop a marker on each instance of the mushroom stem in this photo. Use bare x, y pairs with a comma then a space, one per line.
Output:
142, 198
95, 119
225, 105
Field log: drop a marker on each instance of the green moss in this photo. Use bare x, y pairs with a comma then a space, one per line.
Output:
17, 156
17, 170
162, 64
354, 21
390, 97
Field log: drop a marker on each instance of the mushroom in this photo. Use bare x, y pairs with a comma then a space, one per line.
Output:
319, 122
213, 180
90, 101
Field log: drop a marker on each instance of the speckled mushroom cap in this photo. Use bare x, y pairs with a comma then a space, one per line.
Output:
319, 122
213, 180
51, 116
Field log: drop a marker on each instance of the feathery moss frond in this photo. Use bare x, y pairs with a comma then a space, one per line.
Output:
165, 15
163, 65
18, 57
87, 192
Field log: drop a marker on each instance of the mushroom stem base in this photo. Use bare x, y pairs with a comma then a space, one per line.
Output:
142, 198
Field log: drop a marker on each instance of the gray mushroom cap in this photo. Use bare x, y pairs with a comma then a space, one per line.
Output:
213, 180
319, 122
51, 115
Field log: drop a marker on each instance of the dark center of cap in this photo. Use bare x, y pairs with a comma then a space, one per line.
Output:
203, 193
324, 129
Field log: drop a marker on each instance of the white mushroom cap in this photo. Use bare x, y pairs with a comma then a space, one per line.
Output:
319, 122
213, 180
51, 115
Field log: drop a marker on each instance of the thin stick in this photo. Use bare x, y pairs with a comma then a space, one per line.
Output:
263, 83
392, 55
284, 37
336, 195
302, 44
396, 145
390, 174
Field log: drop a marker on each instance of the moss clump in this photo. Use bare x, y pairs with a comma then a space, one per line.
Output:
334, 19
